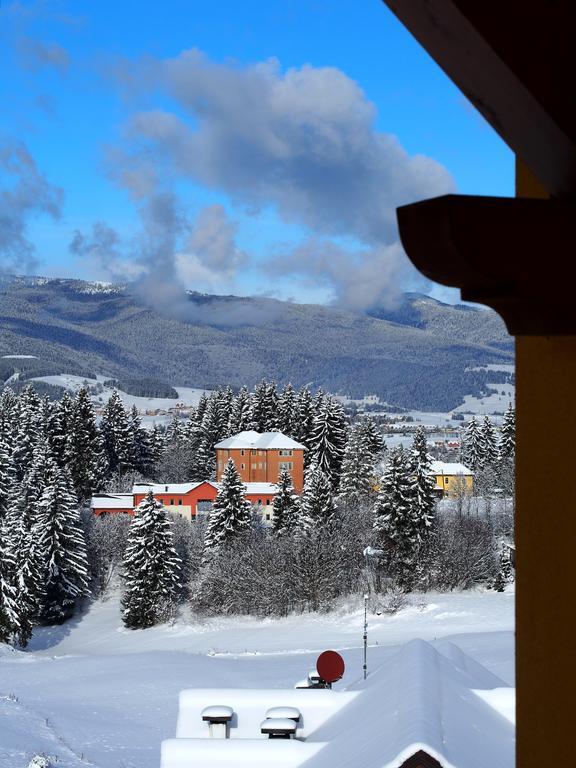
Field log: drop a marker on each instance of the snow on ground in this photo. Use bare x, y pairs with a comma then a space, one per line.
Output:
186, 395
111, 694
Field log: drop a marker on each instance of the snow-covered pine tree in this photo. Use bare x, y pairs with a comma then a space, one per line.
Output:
230, 514
61, 548
60, 427
84, 453
507, 444
116, 435
489, 445
8, 416
201, 407
174, 429
357, 476
151, 567
328, 439
287, 415
393, 519
263, 407
317, 507
472, 446
157, 442
28, 430
240, 412
20, 584
9, 611
225, 402
7, 479
204, 464
140, 444
422, 484
305, 421
376, 443
285, 519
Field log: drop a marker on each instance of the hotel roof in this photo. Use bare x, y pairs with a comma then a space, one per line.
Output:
260, 440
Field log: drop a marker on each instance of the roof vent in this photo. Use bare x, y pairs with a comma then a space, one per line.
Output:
218, 718
278, 727
284, 713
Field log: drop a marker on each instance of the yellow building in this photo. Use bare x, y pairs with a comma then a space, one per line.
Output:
453, 479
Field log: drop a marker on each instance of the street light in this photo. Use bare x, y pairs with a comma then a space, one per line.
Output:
368, 552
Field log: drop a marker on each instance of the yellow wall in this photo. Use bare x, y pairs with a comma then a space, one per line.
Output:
453, 485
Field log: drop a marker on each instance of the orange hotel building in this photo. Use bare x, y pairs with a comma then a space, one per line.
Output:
259, 457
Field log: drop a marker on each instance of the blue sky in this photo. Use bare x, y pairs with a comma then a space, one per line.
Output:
254, 165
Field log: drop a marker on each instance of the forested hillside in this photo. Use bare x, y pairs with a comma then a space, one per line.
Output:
417, 357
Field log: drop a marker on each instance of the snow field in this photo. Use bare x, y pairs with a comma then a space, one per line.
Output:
111, 694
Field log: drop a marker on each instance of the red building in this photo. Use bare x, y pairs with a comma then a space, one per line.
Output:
185, 499
259, 457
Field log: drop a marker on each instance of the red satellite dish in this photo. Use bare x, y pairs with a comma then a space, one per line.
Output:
330, 666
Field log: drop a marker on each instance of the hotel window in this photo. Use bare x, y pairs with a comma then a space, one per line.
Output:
171, 502
286, 465
242, 466
267, 501
253, 452
285, 452
180, 502
447, 480
242, 452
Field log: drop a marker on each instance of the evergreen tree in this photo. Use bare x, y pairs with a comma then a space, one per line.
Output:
157, 442
507, 444
174, 430
204, 465
472, 447
305, 422
151, 567
140, 444
422, 484
9, 611
285, 507
263, 407
28, 430
7, 479
287, 415
374, 439
317, 508
393, 518
62, 549
116, 435
328, 439
8, 416
489, 447
84, 454
357, 478
240, 412
230, 513
60, 427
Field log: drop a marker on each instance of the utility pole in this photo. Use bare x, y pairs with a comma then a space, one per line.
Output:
365, 665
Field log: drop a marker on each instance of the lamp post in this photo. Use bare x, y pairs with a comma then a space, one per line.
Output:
368, 552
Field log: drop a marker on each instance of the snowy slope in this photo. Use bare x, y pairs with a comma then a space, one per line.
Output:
112, 694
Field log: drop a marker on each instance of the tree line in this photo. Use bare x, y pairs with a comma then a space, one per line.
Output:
55, 455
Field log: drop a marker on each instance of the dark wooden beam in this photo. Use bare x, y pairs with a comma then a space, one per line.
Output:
514, 60
515, 255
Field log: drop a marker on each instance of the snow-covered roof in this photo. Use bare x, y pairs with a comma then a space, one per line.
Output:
264, 488
175, 488
260, 440
425, 697
450, 468
112, 501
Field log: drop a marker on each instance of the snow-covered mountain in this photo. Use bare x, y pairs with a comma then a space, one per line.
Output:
425, 354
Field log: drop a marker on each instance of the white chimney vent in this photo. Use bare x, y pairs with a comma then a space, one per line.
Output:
278, 727
218, 718
284, 713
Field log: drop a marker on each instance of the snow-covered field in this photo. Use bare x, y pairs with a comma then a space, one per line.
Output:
94, 693
186, 395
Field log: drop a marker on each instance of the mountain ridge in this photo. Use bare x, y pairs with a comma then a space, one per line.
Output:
414, 356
